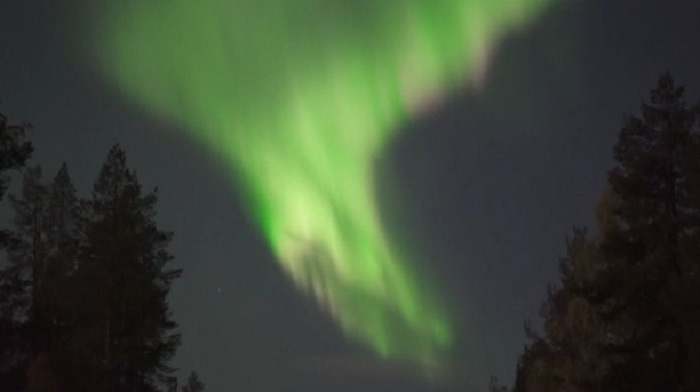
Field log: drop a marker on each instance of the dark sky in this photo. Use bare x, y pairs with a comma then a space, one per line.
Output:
493, 181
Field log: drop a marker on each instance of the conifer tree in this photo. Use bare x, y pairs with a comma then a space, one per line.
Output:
42, 252
626, 314
657, 212
21, 277
127, 327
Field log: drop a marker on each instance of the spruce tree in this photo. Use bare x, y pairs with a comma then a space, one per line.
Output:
626, 315
128, 331
63, 231
658, 212
21, 277
14, 151
27, 252
42, 252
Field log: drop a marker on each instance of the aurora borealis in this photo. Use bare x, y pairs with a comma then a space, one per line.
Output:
299, 98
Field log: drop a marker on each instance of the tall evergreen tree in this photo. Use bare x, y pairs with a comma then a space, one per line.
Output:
127, 328
626, 316
658, 212
41, 253
14, 151
21, 277
28, 250
63, 231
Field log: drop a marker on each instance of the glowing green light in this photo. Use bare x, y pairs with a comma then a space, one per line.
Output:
300, 96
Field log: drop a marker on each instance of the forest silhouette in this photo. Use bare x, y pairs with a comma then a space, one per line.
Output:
84, 281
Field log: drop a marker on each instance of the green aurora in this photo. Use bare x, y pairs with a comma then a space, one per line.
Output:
299, 97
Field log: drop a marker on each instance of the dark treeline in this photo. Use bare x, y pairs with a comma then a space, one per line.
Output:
625, 315
83, 281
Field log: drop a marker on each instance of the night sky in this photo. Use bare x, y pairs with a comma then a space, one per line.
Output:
490, 183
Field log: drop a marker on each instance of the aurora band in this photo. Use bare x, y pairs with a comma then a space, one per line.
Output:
299, 97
